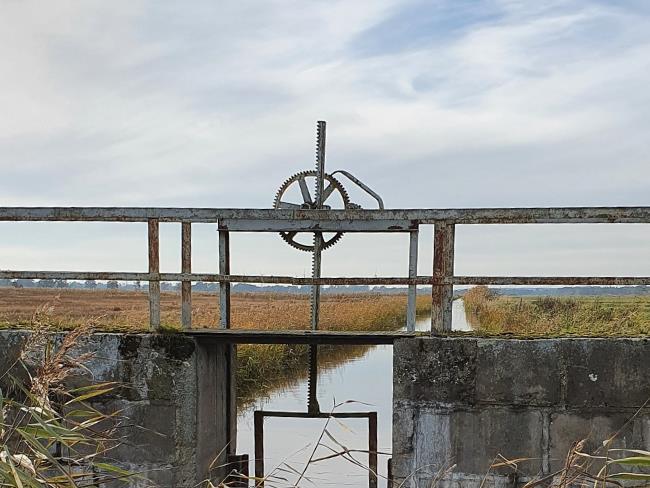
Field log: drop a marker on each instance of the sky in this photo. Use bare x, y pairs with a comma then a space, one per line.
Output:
434, 104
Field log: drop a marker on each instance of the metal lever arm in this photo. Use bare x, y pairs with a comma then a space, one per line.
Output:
363, 186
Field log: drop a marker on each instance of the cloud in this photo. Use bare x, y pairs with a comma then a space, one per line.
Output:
434, 104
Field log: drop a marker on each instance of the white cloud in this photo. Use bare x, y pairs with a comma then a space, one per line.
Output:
151, 103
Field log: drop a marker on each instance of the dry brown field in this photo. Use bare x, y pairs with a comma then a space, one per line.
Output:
128, 310
261, 368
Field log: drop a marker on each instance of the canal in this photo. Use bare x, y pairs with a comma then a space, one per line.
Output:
360, 384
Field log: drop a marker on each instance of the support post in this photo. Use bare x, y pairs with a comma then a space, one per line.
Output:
224, 286
442, 293
154, 272
258, 428
186, 267
372, 450
231, 353
413, 273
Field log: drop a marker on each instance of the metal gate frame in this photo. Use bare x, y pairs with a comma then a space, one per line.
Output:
258, 422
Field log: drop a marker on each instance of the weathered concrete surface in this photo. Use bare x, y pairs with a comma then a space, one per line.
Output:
173, 398
464, 401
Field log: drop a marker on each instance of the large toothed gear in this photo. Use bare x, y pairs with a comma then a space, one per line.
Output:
331, 187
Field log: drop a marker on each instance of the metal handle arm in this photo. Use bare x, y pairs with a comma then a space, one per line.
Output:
363, 186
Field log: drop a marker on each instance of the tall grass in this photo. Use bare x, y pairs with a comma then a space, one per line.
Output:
50, 435
605, 467
491, 313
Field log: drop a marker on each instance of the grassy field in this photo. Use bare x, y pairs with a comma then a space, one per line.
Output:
261, 368
128, 310
603, 316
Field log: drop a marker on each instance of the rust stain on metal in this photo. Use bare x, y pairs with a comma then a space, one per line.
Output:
443, 268
348, 220
154, 270
186, 268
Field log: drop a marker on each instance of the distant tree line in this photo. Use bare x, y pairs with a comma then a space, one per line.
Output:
383, 290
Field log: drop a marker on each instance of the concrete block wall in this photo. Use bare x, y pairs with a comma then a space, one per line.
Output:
464, 401
174, 396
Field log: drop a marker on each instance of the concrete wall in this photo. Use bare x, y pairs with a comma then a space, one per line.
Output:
464, 401
174, 397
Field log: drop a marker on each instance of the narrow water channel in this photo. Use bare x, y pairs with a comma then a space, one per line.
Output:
360, 384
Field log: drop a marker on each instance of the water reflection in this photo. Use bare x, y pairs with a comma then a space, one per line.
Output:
365, 382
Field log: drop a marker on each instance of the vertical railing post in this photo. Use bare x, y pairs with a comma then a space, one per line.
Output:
411, 310
154, 272
186, 267
224, 286
231, 349
442, 292
372, 448
258, 429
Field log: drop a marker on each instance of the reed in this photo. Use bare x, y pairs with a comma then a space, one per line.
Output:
490, 313
50, 435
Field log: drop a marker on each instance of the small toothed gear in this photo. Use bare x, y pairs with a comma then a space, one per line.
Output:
332, 186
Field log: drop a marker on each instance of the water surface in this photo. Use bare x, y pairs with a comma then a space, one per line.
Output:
365, 384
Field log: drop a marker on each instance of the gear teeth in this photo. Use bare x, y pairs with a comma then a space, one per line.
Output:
346, 204
320, 127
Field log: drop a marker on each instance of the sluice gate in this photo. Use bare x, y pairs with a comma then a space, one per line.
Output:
314, 214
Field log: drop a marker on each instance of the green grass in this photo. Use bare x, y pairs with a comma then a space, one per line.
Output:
605, 316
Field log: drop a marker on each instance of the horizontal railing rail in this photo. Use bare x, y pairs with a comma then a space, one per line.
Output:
442, 279
335, 281
542, 215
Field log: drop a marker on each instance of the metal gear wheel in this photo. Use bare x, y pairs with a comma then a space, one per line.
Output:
332, 186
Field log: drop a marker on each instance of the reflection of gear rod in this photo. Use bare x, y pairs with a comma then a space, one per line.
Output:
312, 381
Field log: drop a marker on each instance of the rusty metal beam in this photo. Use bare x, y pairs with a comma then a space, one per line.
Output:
251, 336
443, 269
547, 215
186, 268
550, 280
154, 272
290, 280
311, 225
224, 284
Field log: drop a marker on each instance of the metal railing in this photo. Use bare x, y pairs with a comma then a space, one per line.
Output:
442, 279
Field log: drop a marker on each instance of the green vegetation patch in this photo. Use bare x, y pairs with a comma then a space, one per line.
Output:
607, 316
